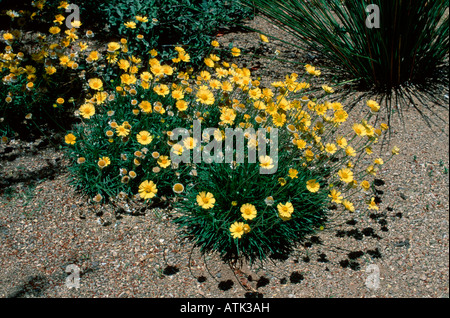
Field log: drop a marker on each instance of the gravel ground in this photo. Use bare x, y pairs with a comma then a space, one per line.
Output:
45, 226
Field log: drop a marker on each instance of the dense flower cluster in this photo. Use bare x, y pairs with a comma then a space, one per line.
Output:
125, 145
133, 124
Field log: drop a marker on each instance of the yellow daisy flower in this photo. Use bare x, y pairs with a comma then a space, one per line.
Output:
346, 175
348, 205
147, 189
373, 205
87, 110
206, 200
164, 161
95, 83
70, 139
285, 210
178, 188
237, 229
248, 211
335, 196
144, 137
266, 162
293, 173
312, 185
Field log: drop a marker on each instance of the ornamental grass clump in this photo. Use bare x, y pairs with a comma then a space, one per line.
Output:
394, 51
250, 170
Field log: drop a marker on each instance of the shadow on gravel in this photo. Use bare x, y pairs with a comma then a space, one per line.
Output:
226, 285
33, 287
170, 270
48, 172
296, 277
21, 149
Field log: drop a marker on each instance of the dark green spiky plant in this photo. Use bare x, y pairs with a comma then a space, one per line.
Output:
404, 62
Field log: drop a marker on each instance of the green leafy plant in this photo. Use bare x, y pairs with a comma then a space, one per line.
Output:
187, 22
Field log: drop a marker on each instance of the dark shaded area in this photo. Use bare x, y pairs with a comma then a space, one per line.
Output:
375, 216
322, 258
201, 279
344, 263
355, 255
315, 240
279, 256
262, 281
48, 172
253, 295
354, 265
375, 253
157, 202
356, 234
170, 270
379, 182
226, 285
370, 232
296, 277
34, 286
